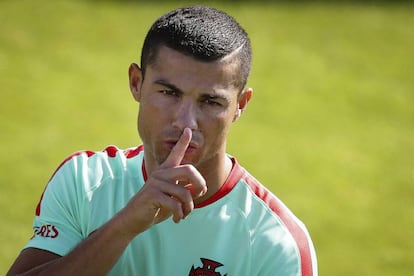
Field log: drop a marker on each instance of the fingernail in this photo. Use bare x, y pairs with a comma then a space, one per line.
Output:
204, 191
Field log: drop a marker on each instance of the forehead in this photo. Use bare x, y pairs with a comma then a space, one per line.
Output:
188, 73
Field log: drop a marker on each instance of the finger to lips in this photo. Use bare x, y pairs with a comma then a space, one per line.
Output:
173, 161
176, 156
178, 151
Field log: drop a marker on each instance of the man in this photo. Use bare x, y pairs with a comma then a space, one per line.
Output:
108, 212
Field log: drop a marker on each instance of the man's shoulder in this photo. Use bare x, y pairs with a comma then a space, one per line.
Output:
109, 158
267, 210
269, 202
107, 153
87, 172
110, 151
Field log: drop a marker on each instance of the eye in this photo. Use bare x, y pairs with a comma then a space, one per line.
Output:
168, 92
212, 102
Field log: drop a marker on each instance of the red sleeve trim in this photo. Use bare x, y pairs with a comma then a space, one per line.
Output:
284, 214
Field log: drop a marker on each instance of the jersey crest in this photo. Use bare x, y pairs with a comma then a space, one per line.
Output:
208, 269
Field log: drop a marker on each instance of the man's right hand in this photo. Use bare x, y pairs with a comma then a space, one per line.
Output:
169, 191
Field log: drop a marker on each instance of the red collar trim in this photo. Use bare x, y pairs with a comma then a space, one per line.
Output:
235, 174
144, 171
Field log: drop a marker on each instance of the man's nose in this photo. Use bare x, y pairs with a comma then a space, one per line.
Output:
186, 115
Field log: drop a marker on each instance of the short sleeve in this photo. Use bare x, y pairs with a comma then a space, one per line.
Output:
57, 223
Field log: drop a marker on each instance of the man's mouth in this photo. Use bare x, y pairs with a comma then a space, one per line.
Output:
190, 148
173, 143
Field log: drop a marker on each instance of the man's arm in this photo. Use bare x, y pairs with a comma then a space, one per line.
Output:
159, 199
95, 255
31, 257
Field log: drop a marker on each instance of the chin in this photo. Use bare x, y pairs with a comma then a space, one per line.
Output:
188, 160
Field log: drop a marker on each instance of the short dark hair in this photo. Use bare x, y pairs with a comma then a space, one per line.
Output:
202, 32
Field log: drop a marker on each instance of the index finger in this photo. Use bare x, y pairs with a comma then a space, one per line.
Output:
178, 151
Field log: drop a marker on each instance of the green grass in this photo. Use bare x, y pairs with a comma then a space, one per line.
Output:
330, 128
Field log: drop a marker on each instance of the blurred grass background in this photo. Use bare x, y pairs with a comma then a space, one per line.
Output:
330, 128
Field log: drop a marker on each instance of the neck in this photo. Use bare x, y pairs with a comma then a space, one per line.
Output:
215, 177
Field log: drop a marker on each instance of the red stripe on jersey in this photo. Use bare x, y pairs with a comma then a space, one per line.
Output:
130, 153
37, 213
284, 214
274, 204
87, 152
144, 171
111, 151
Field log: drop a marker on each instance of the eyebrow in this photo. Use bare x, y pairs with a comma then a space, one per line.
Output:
169, 85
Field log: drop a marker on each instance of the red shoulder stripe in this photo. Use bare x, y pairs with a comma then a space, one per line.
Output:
130, 153
294, 228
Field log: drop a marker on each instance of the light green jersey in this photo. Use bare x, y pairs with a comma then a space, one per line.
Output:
241, 230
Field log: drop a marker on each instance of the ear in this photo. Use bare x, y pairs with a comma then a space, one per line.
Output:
135, 81
243, 100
